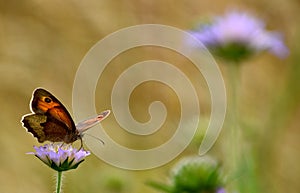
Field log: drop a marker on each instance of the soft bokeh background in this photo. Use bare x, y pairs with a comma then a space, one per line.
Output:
43, 42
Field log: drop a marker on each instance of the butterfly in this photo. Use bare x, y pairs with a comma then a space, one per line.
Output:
50, 120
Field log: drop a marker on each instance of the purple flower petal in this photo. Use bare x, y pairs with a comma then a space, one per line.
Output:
242, 29
58, 154
221, 190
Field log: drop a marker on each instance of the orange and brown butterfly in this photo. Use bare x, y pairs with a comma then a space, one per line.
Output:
50, 120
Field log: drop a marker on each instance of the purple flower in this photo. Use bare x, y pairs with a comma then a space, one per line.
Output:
238, 35
221, 190
60, 158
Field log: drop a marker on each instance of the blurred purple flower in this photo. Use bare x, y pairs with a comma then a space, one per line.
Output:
221, 190
237, 35
60, 158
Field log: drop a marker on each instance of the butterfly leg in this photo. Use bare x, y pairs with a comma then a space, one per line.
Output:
62, 144
81, 143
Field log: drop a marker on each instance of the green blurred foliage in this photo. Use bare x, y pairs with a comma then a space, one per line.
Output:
193, 175
43, 42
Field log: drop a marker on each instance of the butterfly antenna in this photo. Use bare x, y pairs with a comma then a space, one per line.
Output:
95, 138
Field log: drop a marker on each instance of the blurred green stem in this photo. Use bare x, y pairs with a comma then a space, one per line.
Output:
58, 181
234, 80
241, 163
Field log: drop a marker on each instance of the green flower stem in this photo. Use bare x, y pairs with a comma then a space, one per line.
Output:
241, 164
234, 130
59, 182
234, 80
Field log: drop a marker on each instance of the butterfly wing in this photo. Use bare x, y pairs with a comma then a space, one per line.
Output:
33, 124
50, 120
44, 102
85, 125
45, 128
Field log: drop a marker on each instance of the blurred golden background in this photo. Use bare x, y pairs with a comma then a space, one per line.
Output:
43, 42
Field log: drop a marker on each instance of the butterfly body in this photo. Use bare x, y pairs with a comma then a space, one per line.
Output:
50, 120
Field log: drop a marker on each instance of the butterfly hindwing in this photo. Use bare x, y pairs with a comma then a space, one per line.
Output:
33, 124
47, 128
57, 131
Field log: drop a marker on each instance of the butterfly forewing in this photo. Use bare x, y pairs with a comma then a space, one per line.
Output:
86, 124
43, 102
